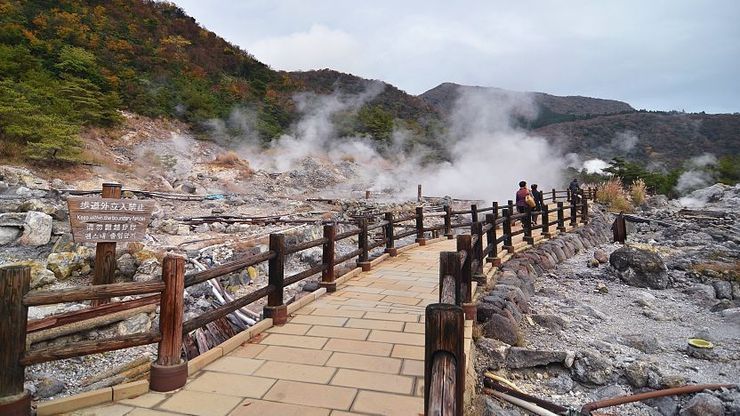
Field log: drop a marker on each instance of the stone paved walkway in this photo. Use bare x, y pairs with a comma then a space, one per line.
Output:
358, 351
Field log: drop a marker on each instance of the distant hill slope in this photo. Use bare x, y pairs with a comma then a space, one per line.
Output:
65, 66
665, 138
550, 108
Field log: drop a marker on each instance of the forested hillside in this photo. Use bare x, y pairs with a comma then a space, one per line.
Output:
65, 65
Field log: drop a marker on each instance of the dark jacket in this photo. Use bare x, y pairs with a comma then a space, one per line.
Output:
537, 195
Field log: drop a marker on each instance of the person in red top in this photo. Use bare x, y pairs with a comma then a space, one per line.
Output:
521, 194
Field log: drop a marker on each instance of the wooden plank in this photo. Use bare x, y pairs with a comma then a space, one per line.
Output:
84, 314
79, 349
75, 294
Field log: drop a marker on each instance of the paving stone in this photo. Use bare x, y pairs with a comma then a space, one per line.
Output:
248, 350
316, 395
337, 313
396, 337
294, 341
150, 412
235, 365
373, 381
365, 362
296, 372
252, 407
294, 355
231, 384
375, 324
107, 410
413, 368
403, 300
344, 333
408, 351
290, 328
319, 320
199, 403
391, 317
359, 347
388, 404
150, 399
413, 327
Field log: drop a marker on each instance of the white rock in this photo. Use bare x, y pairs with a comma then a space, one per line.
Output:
37, 229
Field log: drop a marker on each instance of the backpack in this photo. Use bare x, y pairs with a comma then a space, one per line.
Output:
529, 200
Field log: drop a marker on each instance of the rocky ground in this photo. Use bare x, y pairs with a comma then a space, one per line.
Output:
616, 320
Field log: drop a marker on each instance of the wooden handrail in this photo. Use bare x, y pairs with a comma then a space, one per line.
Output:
227, 268
78, 349
79, 293
225, 309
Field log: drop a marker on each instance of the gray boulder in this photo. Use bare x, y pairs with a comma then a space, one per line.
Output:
135, 324
561, 384
37, 229
48, 387
601, 256
126, 266
640, 268
703, 404
523, 358
9, 234
63, 264
591, 367
722, 289
504, 329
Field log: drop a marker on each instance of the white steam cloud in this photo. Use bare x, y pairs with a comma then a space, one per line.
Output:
625, 141
696, 177
488, 155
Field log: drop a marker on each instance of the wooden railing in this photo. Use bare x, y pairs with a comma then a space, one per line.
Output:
444, 366
169, 371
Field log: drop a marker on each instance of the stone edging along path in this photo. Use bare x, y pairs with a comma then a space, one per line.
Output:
502, 308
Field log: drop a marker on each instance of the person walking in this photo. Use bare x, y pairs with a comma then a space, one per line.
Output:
539, 202
521, 199
575, 192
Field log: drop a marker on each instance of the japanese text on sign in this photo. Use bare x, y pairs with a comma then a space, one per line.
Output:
108, 220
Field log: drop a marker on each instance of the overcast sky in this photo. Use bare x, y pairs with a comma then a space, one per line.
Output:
657, 55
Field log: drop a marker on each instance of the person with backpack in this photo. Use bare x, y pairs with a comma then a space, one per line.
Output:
524, 199
575, 192
539, 202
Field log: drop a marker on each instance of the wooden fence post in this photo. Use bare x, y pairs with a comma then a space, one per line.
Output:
448, 222
568, 197
573, 212
546, 221
105, 253
327, 258
527, 225
554, 195
169, 372
510, 205
491, 240
508, 246
419, 197
619, 229
584, 211
495, 212
276, 308
390, 246
444, 360
561, 217
596, 190
363, 244
477, 229
420, 226
474, 213
450, 290
464, 243
15, 282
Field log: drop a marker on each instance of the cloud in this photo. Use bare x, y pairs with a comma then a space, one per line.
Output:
319, 47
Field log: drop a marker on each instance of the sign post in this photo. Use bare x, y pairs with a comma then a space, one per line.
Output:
106, 221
